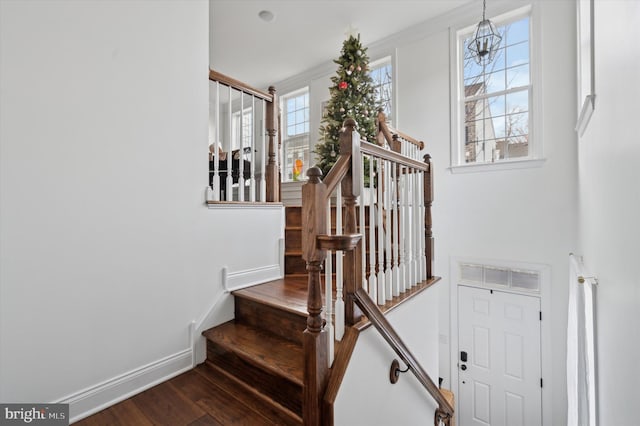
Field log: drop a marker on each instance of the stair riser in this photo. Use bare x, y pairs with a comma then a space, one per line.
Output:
294, 264
283, 323
293, 238
279, 389
293, 216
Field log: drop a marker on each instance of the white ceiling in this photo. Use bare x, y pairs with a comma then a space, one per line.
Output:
304, 33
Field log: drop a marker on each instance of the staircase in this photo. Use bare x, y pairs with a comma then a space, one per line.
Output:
259, 353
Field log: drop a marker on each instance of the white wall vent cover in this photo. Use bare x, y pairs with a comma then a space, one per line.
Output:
492, 276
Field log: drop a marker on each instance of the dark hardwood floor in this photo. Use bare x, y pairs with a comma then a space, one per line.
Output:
210, 394
188, 399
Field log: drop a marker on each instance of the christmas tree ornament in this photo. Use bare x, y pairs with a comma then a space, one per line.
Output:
352, 95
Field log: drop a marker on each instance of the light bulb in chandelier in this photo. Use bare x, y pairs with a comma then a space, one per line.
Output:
486, 41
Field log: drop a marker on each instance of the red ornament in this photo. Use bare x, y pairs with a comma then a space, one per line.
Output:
343, 85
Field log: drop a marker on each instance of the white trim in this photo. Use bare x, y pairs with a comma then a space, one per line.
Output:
585, 114
222, 308
498, 165
96, 398
545, 326
245, 206
247, 278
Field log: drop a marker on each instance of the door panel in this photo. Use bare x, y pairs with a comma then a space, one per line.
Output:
499, 385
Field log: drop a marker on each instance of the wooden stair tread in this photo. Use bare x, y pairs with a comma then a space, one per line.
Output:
246, 394
261, 348
289, 294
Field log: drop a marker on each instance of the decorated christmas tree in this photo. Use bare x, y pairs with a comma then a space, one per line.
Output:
353, 96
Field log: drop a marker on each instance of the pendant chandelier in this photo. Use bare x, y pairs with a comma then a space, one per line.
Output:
486, 40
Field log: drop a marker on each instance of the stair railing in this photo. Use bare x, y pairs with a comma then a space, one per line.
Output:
444, 413
243, 156
383, 244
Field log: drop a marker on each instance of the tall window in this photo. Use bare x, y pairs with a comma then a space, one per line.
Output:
296, 135
495, 99
382, 75
242, 130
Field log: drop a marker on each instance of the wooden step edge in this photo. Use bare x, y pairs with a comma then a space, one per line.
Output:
300, 311
289, 415
257, 361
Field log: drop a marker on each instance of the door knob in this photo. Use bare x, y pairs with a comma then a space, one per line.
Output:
463, 367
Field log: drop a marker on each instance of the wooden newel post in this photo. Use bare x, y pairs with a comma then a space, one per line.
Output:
428, 201
315, 337
350, 192
272, 178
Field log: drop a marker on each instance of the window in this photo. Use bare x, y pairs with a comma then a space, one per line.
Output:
242, 129
382, 75
494, 106
296, 135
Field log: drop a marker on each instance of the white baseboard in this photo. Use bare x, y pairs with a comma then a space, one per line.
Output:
96, 398
241, 279
222, 309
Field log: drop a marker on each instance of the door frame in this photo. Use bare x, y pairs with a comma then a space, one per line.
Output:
545, 325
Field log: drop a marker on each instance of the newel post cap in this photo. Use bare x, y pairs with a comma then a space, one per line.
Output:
350, 122
314, 174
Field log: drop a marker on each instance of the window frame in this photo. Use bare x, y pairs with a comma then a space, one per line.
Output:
298, 137
389, 60
458, 128
240, 126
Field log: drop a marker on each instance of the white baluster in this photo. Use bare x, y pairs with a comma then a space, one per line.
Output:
395, 211
408, 238
363, 231
252, 155
328, 290
388, 231
241, 152
373, 287
423, 242
380, 227
417, 258
339, 311
229, 185
403, 228
263, 152
215, 183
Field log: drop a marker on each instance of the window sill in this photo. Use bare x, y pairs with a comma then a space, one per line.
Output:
243, 205
501, 165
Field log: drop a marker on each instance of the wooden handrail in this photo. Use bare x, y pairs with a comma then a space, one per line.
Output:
239, 85
379, 321
385, 154
316, 242
272, 125
389, 132
337, 173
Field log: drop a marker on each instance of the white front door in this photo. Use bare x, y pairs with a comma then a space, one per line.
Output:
499, 384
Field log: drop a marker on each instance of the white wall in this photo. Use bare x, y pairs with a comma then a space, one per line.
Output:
523, 215
108, 251
610, 208
382, 403
526, 215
